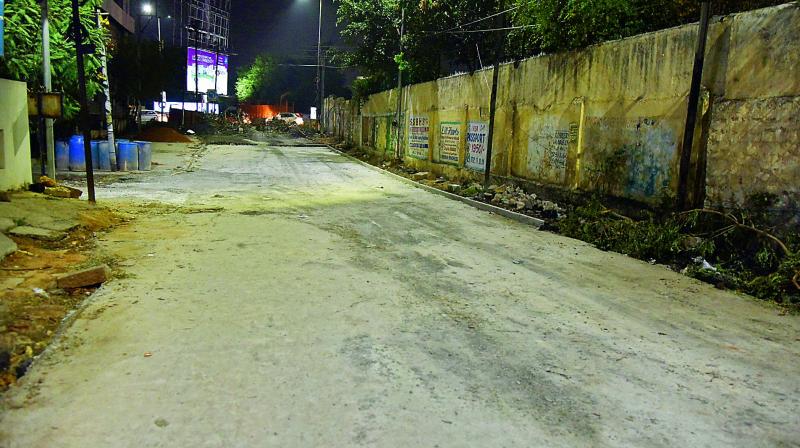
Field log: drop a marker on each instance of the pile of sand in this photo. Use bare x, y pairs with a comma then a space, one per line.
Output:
162, 134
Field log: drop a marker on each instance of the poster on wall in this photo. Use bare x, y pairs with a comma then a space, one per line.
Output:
202, 62
477, 138
449, 142
418, 130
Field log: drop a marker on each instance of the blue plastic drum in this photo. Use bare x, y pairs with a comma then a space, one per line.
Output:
62, 155
77, 156
127, 156
145, 155
103, 155
95, 154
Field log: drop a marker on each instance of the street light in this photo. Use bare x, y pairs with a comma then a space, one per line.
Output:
147, 9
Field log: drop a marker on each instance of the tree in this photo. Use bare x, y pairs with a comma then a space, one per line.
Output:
252, 80
23, 58
431, 46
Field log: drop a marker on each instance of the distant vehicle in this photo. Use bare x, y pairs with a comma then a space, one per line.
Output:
148, 115
290, 117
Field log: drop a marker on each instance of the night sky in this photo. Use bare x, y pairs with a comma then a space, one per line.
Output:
280, 27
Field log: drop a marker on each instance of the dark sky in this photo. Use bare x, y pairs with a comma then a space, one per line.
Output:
280, 27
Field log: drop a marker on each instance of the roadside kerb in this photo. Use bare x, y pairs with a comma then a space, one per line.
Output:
519, 217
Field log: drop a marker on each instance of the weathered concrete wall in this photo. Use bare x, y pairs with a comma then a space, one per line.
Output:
15, 149
610, 118
754, 136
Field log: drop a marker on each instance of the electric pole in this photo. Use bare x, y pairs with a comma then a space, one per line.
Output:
84, 112
397, 150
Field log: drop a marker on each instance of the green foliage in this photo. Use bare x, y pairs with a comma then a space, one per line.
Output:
743, 258
372, 30
252, 80
23, 58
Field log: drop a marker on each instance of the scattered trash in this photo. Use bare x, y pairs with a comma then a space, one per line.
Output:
41, 293
147, 354
190, 132
704, 264
517, 261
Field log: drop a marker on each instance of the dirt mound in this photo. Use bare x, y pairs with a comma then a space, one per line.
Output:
162, 134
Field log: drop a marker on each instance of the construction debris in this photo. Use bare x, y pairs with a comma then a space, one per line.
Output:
63, 192
88, 277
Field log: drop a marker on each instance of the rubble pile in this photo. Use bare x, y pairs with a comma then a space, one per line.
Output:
515, 198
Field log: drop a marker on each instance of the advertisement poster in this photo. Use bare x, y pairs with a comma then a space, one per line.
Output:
449, 142
206, 72
418, 143
477, 139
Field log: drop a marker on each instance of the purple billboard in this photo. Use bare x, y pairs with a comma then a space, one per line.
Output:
202, 62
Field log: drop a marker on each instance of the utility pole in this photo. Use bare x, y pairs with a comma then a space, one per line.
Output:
322, 90
108, 116
84, 112
498, 54
216, 71
691, 113
138, 108
48, 86
398, 116
319, 67
196, 64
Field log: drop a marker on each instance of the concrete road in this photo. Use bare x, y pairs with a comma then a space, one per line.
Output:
286, 296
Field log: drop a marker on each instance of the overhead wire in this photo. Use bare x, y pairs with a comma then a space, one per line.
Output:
474, 21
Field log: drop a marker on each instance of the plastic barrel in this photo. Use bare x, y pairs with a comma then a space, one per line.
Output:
62, 155
77, 157
115, 151
145, 155
95, 154
127, 156
103, 156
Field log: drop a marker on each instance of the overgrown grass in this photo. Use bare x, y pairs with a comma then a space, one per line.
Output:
744, 253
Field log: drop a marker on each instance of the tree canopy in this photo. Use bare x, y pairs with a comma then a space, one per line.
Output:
272, 80
23, 41
443, 36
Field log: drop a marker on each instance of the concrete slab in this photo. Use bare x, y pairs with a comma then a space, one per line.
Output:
7, 246
6, 224
45, 212
37, 233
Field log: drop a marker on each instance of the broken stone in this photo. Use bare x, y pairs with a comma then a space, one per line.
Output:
7, 246
453, 188
420, 176
47, 181
63, 192
37, 233
87, 277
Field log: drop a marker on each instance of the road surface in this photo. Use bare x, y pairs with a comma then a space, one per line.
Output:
280, 295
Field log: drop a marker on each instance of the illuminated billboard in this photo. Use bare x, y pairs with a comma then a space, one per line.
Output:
202, 62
